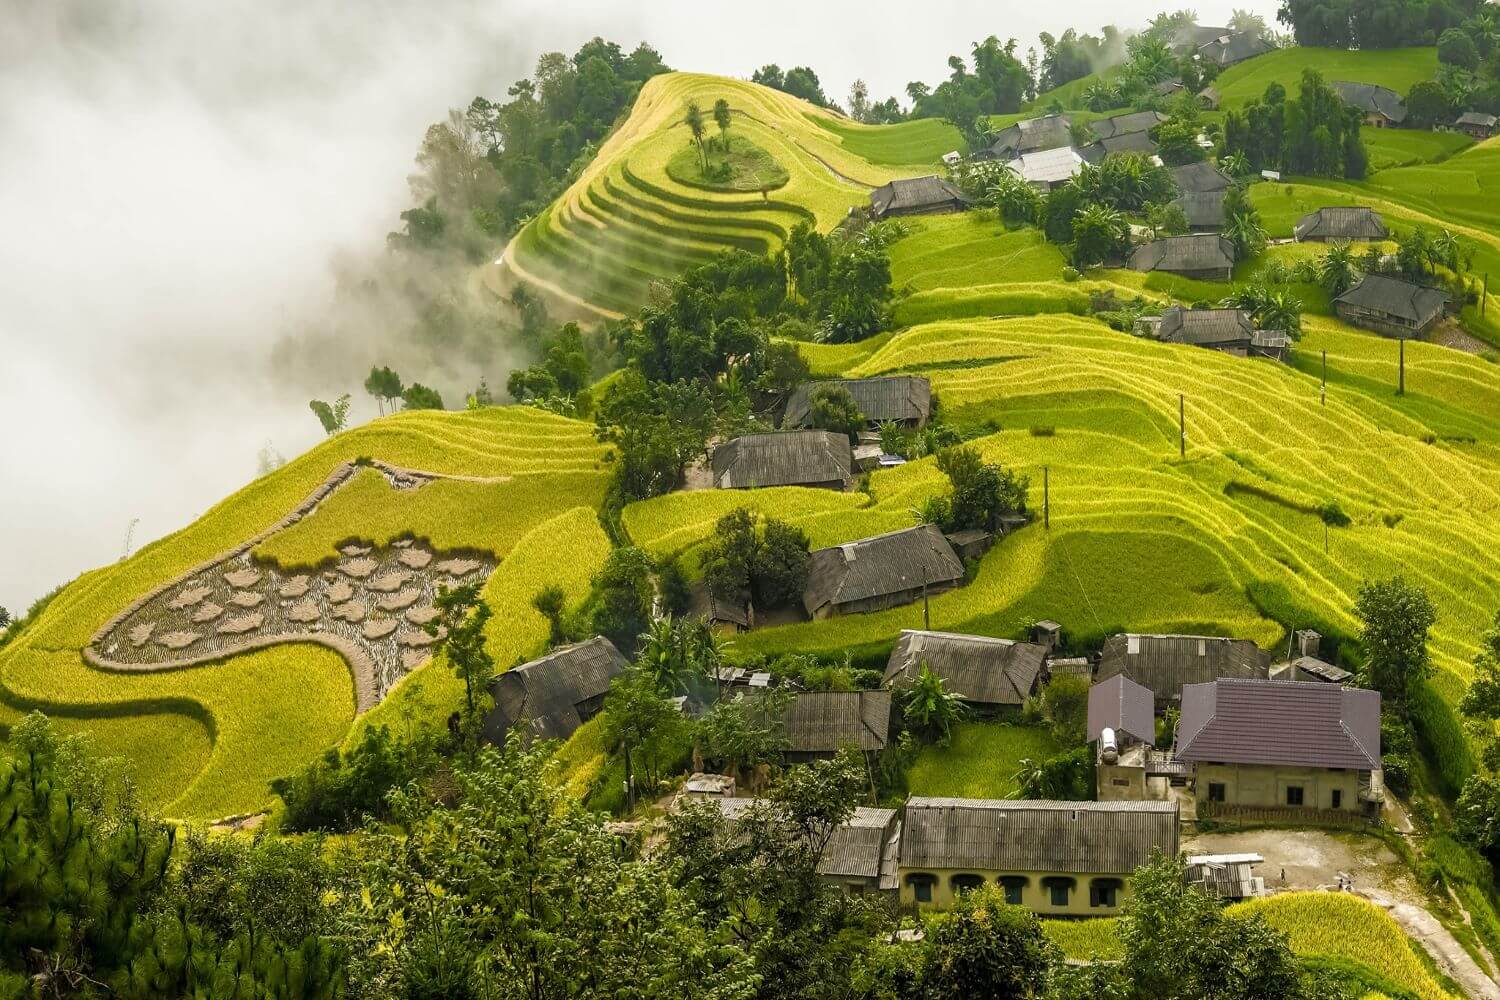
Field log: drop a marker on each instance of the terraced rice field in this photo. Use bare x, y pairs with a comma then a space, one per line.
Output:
625, 223
1397, 69
208, 739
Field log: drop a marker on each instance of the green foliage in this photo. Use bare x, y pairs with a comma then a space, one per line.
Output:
620, 608
982, 491
771, 564
745, 731
418, 397
551, 602
460, 630
1315, 133
1395, 618
333, 416
1065, 701
832, 408
986, 948
338, 791
384, 385
1440, 737
1427, 104
657, 430
1389, 24
929, 708
1099, 234
734, 163
799, 81
1068, 776
643, 724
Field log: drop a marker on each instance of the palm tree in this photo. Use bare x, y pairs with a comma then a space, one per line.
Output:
930, 707
1336, 270
1236, 164
1281, 311
1444, 249
1031, 779
1246, 233
664, 654
693, 119
721, 119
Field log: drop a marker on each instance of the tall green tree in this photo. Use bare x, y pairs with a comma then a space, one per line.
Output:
723, 120
384, 385
692, 117
459, 628
832, 408
986, 948
1395, 620
333, 416
621, 604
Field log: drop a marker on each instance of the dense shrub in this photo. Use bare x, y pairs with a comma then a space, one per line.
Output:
1440, 738
338, 791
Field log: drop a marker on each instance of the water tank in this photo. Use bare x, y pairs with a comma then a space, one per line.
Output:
1109, 751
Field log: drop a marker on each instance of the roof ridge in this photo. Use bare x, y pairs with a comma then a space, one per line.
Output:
1364, 750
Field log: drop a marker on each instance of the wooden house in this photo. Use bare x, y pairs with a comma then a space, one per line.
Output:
1205, 256
1381, 106
897, 399
1330, 225
1478, 124
820, 723
1030, 136
1136, 122
1139, 143
787, 458
1056, 858
1281, 746
1047, 168
1209, 98
1204, 210
1233, 47
1200, 176
1165, 663
1391, 306
550, 697
1226, 330
880, 572
990, 675
931, 195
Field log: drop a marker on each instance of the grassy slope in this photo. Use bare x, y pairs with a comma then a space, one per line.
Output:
267, 713
1397, 69
979, 762
918, 143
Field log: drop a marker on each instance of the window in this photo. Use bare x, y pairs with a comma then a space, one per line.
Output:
921, 887
1294, 795
966, 883
1338, 798
1104, 892
1058, 890
1122, 782
1216, 791
1015, 887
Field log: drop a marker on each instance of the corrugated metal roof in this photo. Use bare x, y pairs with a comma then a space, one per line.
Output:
1322, 668
783, 458
1343, 223
982, 670
895, 397
1372, 100
914, 194
1047, 166
1033, 135
1035, 836
824, 721
547, 691
1233, 47
1200, 176
1199, 252
883, 564
1126, 142
1382, 293
1121, 704
1477, 118
1136, 121
1292, 723
1205, 326
1164, 663
1203, 209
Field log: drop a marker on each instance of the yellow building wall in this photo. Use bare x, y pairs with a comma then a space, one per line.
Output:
1035, 896
1261, 785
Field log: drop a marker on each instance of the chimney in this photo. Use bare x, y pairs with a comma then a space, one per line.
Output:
1309, 643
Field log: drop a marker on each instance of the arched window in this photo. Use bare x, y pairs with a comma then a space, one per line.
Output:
1105, 892
1015, 888
1059, 889
921, 886
966, 883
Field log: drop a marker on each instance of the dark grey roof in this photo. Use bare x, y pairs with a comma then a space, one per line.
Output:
706, 605
1211, 95
1121, 704
863, 846
1200, 176
1321, 668
1477, 118
1195, 36
915, 194
1164, 663
1341, 223
982, 670
1205, 327
1168, 87
1033, 135
787, 458
1199, 252
1233, 47
1136, 121
883, 564
824, 721
1372, 100
897, 397
1035, 836
546, 692
1126, 142
1382, 293
1204, 209
1289, 723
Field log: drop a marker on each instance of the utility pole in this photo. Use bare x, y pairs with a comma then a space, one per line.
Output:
1181, 426
1324, 400
1046, 502
1484, 300
1401, 369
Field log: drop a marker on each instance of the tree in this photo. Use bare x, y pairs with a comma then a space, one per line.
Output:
1247, 22
551, 602
982, 491
722, 119
1427, 104
636, 718
1099, 234
384, 385
780, 565
5, 618
657, 429
1065, 699
418, 397
1337, 271
340, 790
459, 629
1177, 142
745, 731
984, 947
1395, 618
801, 81
665, 655
1167, 219
832, 408
693, 119
772, 566
621, 606
334, 417
1456, 48
859, 101
930, 708
859, 286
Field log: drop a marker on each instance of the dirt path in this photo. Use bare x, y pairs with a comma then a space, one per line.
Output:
1314, 859
1450, 334
507, 260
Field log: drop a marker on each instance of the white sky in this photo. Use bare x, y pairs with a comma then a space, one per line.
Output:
175, 176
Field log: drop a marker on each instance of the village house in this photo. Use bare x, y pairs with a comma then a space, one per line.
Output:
784, 458
1137, 122
931, 195
897, 399
1206, 256
1478, 124
880, 572
1030, 136
1283, 746
818, 724
1047, 168
1328, 225
1122, 727
1391, 306
1312, 669
1209, 98
724, 616
1200, 176
1204, 210
990, 675
1165, 663
1168, 88
1381, 106
1192, 37
1056, 858
1140, 143
1233, 47
550, 697
1227, 330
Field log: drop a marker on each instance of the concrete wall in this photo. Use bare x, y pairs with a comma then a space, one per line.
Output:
1265, 786
1120, 782
1034, 895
